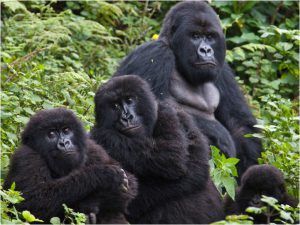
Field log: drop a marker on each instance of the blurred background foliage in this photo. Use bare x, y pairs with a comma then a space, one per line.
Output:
56, 53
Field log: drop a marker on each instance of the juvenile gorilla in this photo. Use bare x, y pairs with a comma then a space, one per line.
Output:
187, 65
56, 164
257, 181
162, 148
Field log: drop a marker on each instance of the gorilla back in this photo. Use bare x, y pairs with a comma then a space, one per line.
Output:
187, 66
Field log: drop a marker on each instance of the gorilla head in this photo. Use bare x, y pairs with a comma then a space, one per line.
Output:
194, 33
260, 180
59, 137
119, 106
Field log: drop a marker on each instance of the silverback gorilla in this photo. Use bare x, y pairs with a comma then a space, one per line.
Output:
162, 148
259, 180
187, 65
57, 164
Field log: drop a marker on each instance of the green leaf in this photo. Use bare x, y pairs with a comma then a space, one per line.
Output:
28, 216
229, 184
55, 221
254, 210
14, 5
286, 216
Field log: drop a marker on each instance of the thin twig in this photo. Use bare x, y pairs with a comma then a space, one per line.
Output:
276, 12
28, 56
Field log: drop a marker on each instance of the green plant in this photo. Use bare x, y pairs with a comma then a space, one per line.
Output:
284, 214
280, 135
223, 171
235, 220
9, 214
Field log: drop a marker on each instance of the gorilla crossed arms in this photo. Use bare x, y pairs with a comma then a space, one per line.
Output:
152, 128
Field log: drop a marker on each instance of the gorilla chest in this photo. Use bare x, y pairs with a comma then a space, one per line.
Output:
202, 99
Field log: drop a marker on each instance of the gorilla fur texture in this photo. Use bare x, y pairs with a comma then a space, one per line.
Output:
162, 148
57, 164
259, 180
187, 66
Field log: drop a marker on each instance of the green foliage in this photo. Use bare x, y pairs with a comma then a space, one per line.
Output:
223, 171
72, 217
263, 41
9, 214
284, 214
280, 135
235, 220
56, 53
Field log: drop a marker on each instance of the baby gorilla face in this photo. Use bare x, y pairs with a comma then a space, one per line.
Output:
61, 141
126, 105
128, 121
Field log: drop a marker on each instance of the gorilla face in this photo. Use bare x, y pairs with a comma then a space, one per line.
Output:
120, 106
197, 40
59, 137
125, 116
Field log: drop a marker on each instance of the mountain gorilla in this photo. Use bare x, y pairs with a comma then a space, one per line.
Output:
259, 180
186, 65
162, 148
57, 164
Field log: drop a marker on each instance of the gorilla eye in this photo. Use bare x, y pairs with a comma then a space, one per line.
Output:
196, 35
129, 100
66, 130
209, 36
116, 106
51, 134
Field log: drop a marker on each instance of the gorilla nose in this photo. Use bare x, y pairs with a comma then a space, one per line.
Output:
63, 144
205, 51
126, 117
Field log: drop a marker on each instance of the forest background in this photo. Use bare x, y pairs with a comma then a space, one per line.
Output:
57, 53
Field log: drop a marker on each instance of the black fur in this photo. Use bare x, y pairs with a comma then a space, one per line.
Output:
259, 180
48, 181
170, 161
158, 61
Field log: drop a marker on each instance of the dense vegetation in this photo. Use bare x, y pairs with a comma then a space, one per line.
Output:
58, 53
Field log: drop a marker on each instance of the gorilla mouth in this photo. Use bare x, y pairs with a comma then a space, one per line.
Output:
206, 63
131, 128
69, 152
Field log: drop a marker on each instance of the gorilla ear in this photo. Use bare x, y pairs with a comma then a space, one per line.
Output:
173, 29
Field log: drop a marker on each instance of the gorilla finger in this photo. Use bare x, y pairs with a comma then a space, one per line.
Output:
124, 188
92, 218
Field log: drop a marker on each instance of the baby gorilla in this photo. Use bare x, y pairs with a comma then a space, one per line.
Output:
58, 164
162, 148
259, 180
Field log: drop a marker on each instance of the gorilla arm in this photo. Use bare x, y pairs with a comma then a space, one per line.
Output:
45, 195
234, 113
154, 192
165, 155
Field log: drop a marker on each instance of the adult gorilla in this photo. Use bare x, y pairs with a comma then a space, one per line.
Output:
186, 65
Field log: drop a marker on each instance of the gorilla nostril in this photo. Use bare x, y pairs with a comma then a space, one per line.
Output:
67, 143
60, 145
124, 118
130, 117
